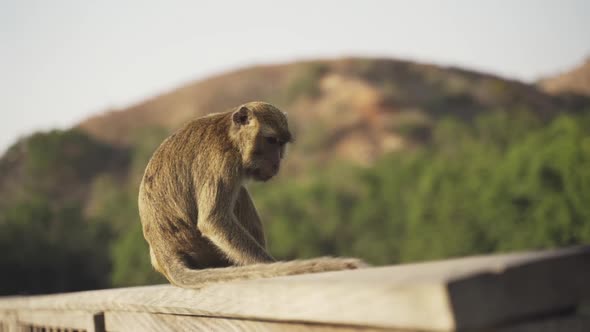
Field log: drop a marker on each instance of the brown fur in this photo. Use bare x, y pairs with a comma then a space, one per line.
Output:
196, 213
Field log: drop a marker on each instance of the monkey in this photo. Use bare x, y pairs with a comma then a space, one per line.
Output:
197, 217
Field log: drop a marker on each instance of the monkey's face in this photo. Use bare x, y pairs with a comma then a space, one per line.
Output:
263, 135
266, 158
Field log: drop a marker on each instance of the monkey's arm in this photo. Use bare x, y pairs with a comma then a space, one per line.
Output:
218, 223
246, 214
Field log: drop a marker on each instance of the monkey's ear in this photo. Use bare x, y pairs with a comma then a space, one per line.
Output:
242, 117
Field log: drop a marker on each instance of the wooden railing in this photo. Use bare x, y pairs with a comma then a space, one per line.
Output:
533, 291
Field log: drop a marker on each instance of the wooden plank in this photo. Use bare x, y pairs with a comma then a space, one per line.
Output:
119, 321
71, 319
473, 292
133, 321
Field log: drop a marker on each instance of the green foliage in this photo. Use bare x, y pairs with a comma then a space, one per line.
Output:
131, 262
60, 159
45, 249
54, 238
115, 203
47, 243
145, 142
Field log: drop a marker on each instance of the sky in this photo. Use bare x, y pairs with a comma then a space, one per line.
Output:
63, 61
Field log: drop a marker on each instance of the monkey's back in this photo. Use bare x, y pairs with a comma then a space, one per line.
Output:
167, 194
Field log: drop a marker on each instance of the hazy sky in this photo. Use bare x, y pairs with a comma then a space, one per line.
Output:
61, 61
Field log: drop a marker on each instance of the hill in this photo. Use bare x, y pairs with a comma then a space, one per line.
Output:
575, 81
349, 108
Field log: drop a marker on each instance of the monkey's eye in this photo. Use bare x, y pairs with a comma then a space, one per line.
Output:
272, 140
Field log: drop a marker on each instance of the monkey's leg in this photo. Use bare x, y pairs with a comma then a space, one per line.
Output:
247, 215
220, 226
231, 238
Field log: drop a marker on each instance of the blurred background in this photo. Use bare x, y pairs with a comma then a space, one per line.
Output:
425, 130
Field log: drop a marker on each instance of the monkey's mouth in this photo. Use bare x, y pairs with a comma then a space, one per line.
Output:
266, 177
259, 175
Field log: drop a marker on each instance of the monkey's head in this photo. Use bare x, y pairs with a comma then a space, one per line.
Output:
261, 133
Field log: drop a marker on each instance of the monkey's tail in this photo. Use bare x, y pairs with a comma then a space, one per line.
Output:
182, 276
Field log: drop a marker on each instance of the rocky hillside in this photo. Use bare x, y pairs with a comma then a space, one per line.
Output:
575, 81
350, 108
